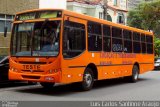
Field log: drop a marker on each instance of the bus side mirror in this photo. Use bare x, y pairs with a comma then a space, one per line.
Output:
5, 31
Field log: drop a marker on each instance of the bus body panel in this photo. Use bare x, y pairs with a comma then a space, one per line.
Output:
19, 71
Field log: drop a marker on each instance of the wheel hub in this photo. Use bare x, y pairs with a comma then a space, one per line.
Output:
88, 79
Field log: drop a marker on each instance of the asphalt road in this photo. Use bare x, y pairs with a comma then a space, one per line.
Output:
147, 88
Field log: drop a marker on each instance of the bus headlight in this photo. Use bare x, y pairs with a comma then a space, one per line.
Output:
50, 71
13, 69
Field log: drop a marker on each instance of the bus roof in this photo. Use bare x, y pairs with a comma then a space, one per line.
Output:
89, 18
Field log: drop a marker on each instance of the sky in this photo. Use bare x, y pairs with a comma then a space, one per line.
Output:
60, 4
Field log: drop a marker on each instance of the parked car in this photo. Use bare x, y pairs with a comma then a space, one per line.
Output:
4, 68
157, 63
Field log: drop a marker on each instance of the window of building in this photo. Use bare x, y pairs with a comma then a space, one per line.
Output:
94, 36
6, 21
2, 24
73, 39
100, 15
106, 38
127, 37
121, 18
117, 45
115, 2
2, 16
9, 17
109, 18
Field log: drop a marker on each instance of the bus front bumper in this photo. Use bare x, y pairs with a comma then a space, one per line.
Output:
35, 77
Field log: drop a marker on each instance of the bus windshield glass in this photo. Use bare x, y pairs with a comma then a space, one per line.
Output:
36, 39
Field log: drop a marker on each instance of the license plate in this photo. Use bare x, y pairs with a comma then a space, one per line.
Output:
31, 67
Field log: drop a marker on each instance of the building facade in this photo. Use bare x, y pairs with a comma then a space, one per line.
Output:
93, 9
112, 10
116, 10
8, 8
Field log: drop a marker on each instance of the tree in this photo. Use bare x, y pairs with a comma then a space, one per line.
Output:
134, 19
147, 17
157, 46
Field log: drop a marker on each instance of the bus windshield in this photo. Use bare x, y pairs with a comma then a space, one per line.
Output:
36, 39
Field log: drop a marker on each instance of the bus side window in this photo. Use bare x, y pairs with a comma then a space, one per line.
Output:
143, 43
136, 42
106, 38
149, 41
66, 39
94, 36
127, 37
73, 39
117, 45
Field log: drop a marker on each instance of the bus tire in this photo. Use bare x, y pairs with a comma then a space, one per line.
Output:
88, 80
47, 85
135, 74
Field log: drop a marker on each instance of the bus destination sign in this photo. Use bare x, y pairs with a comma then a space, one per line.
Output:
38, 15
27, 16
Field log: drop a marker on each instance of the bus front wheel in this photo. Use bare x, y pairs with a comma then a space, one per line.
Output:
47, 85
88, 80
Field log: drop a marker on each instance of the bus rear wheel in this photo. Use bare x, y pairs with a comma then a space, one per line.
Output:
47, 85
88, 80
135, 74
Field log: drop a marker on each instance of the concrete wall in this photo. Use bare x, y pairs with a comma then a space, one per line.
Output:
4, 44
91, 10
14, 6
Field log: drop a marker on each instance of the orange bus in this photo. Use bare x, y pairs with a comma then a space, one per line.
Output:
59, 46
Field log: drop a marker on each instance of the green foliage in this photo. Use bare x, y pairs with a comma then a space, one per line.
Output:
147, 16
157, 46
134, 19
